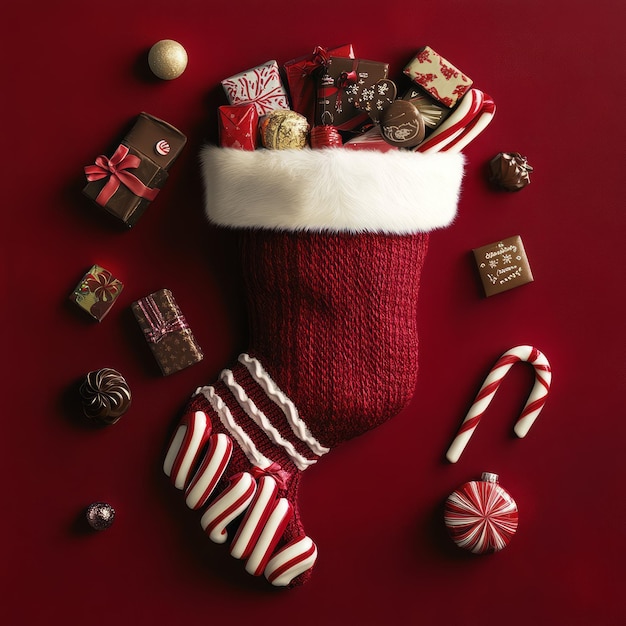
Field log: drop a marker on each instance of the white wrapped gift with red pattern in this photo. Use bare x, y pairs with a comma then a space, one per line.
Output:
438, 77
260, 86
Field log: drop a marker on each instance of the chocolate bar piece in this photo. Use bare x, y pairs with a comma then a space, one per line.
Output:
126, 183
166, 330
503, 265
97, 292
341, 86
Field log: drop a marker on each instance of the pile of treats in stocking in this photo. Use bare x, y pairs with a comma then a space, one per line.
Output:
333, 175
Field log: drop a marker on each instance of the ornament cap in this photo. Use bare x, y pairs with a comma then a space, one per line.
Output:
489, 477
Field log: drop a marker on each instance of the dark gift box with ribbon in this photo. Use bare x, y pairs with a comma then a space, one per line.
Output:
302, 74
131, 178
341, 85
166, 331
97, 292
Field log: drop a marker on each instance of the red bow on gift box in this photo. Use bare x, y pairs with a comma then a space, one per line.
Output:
102, 284
115, 169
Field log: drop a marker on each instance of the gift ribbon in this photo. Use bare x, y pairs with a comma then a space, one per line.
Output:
102, 284
321, 56
342, 81
159, 326
115, 169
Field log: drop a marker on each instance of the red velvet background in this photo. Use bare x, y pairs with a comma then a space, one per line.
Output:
76, 79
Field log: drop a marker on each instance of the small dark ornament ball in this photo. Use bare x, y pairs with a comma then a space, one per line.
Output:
100, 515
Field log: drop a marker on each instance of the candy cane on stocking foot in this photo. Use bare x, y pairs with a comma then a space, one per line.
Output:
256, 516
231, 503
465, 123
270, 536
206, 478
185, 447
290, 561
534, 404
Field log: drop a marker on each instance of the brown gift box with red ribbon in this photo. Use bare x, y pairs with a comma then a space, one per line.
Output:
126, 183
341, 86
166, 330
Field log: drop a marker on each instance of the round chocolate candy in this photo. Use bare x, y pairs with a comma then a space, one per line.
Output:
402, 125
105, 395
509, 171
481, 516
283, 130
100, 515
167, 59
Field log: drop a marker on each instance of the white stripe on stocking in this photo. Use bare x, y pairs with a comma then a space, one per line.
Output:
239, 435
297, 425
260, 419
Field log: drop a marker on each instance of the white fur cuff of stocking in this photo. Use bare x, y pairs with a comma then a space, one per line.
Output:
333, 189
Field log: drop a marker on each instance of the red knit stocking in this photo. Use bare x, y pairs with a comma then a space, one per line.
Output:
333, 353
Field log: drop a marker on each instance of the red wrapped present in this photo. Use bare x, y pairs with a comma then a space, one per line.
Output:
302, 79
238, 126
260, 85
341, 86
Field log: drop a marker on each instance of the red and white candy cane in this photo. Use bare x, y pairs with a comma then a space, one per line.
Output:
465, 123
534, 404
290, 561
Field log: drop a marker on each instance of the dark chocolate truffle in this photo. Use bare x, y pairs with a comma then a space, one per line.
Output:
509, 171
105, 395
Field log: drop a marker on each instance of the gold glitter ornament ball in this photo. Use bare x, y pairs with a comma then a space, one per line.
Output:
167, 59
284, 130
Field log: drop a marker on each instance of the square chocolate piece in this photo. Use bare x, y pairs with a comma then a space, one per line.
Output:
166, 330
503, 265
97, 292
341, 86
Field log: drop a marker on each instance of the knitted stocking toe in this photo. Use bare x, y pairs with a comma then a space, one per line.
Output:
249, 445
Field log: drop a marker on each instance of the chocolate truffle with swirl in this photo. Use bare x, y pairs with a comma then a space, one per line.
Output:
509, 171
105, 395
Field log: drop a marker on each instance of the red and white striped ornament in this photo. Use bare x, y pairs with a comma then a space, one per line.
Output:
534, 404
162, 147
481, 516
